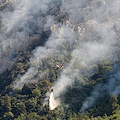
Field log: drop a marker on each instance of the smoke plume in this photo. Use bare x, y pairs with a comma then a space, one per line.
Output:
99, 41
17, 24
95, 95
92, 28
112, 87
51, 48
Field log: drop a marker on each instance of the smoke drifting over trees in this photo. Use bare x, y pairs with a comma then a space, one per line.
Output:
16, 25
90, 29
98, 42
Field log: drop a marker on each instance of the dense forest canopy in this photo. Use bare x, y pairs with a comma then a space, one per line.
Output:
59, 60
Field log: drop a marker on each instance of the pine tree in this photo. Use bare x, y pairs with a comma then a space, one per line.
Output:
115, 107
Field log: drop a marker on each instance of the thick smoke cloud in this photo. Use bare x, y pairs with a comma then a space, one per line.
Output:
51, 48
16, 26
94, 25
87, 53
97, 43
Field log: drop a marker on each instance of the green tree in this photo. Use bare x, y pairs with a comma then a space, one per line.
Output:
20, 108
85, 117
8, 116
36, 92
43, 118
33, 116
5, 104
21, 117
31, 105
114, 105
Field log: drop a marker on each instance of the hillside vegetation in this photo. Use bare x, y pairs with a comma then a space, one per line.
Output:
88, 82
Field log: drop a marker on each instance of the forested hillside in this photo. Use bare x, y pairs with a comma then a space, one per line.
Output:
59, 60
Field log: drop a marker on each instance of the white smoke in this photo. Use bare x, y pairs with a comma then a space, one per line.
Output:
86, 54
20, 15
112, 87
92, 99
51, 48
97, 22
97, 43
16, 25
